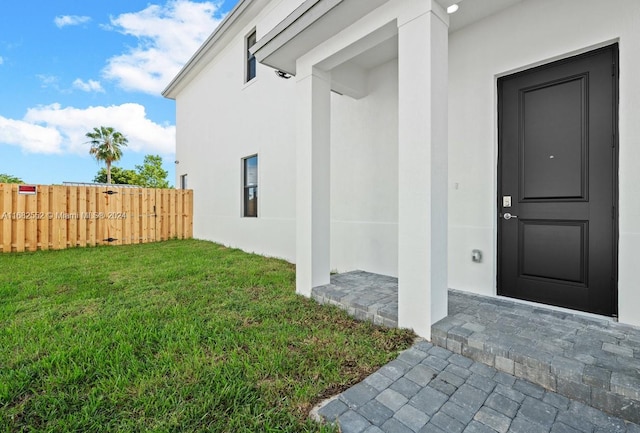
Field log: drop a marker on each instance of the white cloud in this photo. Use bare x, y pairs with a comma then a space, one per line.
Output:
167, 37
52, 129
1, 60
30, 137
88, 86
70, 20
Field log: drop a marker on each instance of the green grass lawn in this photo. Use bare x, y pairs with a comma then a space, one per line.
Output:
178, 336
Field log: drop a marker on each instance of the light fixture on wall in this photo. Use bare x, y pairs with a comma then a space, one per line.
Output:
452, 9
283, 74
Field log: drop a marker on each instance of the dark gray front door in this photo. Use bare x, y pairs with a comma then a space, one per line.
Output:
558, 169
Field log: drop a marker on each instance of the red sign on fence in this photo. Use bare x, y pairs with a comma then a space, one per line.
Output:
27, 189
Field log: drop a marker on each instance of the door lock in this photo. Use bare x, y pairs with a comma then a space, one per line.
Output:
508, 216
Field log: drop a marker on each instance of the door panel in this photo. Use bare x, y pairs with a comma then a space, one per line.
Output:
558, 163
553, 156
555, 250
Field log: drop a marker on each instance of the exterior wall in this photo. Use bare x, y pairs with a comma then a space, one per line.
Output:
221, 120
364, 176
526, 35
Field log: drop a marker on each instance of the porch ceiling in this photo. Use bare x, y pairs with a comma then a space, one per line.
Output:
306, 27
475, 10
317, 20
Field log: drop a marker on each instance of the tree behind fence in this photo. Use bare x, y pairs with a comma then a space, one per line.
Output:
59, 217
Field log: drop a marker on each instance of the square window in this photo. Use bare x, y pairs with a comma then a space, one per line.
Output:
250, 186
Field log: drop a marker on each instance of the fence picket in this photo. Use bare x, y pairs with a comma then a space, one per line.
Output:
19, 206
31, 223
81, 238
72, 216
43, 218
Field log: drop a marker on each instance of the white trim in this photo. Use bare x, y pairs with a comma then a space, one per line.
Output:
561, 56
496, 246
245, 61
243, 162
302, 17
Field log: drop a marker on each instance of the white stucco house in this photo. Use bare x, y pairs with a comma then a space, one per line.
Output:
393, 137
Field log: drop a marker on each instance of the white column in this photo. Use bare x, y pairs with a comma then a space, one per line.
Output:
312, 180
422, 219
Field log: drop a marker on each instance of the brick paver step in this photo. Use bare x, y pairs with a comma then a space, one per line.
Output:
588, 359
409, 395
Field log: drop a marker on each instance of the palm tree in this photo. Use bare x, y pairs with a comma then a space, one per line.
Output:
106, 145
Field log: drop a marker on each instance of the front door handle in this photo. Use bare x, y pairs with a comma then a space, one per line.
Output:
508, 216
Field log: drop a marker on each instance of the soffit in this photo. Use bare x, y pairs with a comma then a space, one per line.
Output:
471, 11
317, 20
378, 55
309, 25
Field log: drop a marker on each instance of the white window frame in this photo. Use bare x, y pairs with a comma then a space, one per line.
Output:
250, 62
250, 188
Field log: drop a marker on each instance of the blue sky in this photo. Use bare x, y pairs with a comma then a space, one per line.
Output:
69, 65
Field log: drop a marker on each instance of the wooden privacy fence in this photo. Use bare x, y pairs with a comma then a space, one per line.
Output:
44, 217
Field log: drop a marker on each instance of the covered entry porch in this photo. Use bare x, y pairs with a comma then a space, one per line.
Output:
371, 144
438, 201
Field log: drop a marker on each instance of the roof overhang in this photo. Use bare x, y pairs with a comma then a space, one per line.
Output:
315, 21
243, 12
310, 24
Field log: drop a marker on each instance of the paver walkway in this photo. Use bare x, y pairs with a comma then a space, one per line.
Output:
428, 389
590, 359
364, 295
593, 361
